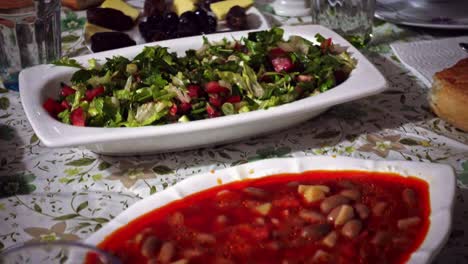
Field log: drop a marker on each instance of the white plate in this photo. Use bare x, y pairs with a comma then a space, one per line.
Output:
441, 180
255, 20
448, 14
43, 81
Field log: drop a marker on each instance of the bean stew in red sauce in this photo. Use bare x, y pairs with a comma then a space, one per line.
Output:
311, 217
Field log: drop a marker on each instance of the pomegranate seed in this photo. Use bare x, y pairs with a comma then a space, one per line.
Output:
233, 99
173, 110
214, 87
67, 90
78, 117
216, 100
277, 52
185, 107
211, 111
282, 64
194, 91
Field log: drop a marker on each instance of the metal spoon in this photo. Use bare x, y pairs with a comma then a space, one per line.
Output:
464, 46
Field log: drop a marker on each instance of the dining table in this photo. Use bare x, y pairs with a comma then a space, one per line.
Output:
49, 194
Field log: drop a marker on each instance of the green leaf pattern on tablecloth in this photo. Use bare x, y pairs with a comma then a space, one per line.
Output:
69, 193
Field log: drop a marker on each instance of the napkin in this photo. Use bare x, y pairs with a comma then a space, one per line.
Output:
424, 58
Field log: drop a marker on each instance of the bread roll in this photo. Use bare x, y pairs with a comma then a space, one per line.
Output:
448, 97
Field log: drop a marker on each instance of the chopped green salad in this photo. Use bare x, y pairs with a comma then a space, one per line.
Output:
221, 78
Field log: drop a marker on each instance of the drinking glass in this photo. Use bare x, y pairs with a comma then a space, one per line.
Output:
56, 252
29, 35
352, 19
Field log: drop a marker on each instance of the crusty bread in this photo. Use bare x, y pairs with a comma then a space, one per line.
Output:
448, 97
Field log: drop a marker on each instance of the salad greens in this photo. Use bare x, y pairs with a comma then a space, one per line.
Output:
221, 78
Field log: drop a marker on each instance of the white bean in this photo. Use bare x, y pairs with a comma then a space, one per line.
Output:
166, 253
409, 222
352, 228
330, 239
362, 210
409, 196
352, 194
333, 201
379, 208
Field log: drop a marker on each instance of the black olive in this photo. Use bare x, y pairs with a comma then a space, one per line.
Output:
201, 14
155, 21
172, 34
212, 24
188, 17
236, 18
171, 18
109, 18
157, 35
110, 40
188, 24
202, 20
144, 30
187, 29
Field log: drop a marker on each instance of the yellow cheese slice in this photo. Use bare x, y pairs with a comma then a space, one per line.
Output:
91, 29
182, 6
220, 9
122, 6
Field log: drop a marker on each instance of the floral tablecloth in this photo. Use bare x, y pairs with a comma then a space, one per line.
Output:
69, 193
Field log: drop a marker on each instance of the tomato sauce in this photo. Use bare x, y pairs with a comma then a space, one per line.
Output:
335, 217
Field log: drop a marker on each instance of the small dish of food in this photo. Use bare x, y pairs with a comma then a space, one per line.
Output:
147, 99
117, 24
294, 210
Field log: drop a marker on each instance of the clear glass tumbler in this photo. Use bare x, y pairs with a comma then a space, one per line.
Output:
352, 19
29, 35
56, 252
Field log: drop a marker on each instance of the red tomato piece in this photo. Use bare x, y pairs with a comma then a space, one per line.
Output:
282, 64
194, 91
78, 117
173, 110
53, 107
216, 100
65, 104
90, 94
185, 107
67, 90
214, 87
233, 99
277, 52
325, 45
212, 112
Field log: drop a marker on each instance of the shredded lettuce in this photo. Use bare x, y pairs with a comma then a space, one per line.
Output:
157, 87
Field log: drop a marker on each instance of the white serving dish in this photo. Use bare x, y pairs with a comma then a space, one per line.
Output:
39, 82
441, 180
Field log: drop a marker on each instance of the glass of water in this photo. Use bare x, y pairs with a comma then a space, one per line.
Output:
56, 252
352, 19
29, 35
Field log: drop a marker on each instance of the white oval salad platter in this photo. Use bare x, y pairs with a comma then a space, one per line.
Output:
41, 82
440, 178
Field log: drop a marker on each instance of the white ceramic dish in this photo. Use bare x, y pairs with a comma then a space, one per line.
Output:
38, 83
451, 14
441, 180
255, 21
